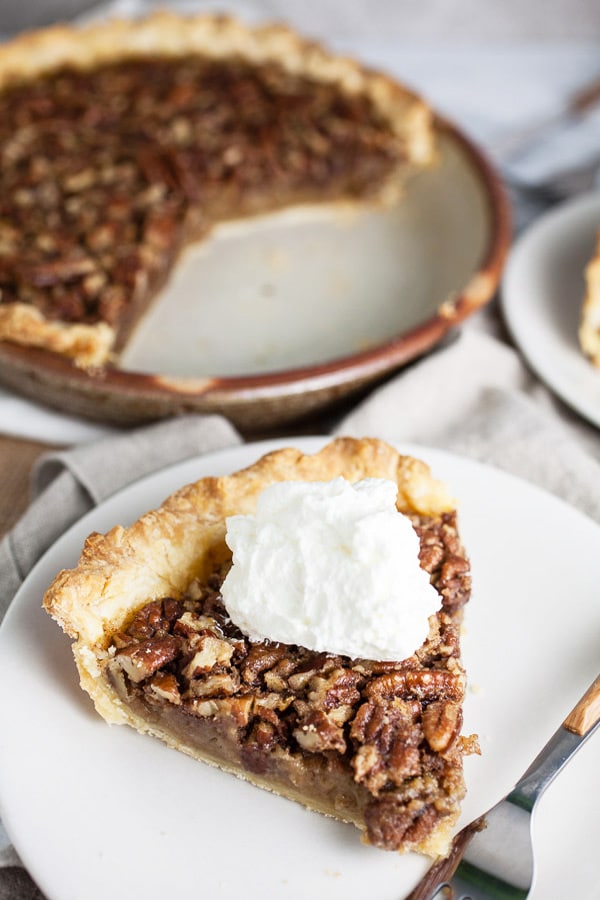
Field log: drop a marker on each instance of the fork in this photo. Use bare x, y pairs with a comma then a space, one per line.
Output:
492, 857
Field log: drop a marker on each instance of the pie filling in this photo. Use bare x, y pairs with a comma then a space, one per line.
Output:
106, 173
374, 743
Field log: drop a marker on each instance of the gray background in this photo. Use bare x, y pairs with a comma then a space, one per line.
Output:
453, 20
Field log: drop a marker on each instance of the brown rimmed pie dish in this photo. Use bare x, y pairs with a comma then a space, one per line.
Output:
303, 304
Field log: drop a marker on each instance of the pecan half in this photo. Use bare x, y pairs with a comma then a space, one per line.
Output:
261, 657
442, 721
338, 688
388, 738
428, 684
139, 661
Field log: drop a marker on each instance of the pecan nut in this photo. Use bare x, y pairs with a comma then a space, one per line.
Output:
317, 733
139, 661
442, 721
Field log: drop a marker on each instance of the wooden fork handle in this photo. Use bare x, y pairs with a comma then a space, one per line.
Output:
586, 713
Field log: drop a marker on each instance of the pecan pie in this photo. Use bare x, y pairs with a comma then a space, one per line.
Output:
123, 142
589, 330
377, 744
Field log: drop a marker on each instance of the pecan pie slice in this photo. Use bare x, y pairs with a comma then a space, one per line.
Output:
589, 329
377, 744
121, 143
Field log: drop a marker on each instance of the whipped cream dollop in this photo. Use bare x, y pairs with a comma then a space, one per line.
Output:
332, 566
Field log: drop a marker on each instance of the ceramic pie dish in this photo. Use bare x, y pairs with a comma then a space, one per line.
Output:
302, 225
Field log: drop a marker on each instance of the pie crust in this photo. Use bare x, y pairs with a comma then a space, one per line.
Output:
376, 744
68, 295
589, 329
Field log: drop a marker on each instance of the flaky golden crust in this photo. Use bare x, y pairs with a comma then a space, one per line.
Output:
216, 37
86, 345
166, 548
589, 330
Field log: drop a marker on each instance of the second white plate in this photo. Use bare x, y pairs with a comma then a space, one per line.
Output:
542, 294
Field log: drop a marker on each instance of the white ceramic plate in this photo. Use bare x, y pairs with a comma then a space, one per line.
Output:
542, 293
98, 811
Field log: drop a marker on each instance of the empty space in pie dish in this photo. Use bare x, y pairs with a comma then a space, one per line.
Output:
315, 283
